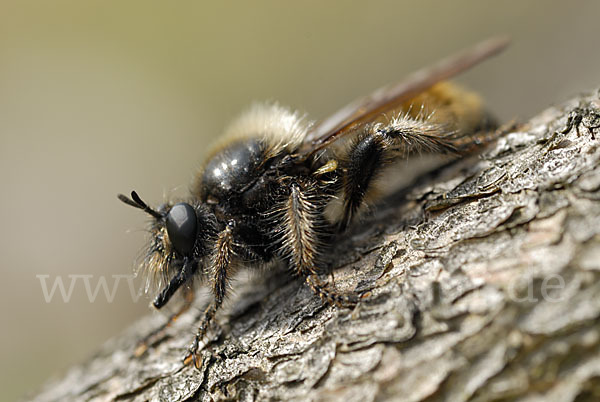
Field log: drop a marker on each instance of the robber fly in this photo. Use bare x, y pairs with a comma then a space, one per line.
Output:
262, 195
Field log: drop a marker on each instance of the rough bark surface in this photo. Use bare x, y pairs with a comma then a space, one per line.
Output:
481, 280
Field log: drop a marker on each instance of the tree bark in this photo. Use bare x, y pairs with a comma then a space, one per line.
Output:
480, 281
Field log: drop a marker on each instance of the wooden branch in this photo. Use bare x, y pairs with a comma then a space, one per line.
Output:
482, 283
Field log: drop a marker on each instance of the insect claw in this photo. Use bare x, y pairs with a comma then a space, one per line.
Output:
140, 349
188, 358
193, 357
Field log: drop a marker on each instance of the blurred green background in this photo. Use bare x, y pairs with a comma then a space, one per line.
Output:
99, 97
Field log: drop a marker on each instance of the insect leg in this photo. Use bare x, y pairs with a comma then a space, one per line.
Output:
302, 219
380, 145
220, 261
192, 354
331, 296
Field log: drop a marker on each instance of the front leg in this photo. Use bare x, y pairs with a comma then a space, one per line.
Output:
220, 261
192, 354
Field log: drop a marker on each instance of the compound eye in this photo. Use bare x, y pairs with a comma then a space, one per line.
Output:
182, 226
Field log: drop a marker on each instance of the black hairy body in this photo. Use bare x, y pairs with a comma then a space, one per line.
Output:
262, 196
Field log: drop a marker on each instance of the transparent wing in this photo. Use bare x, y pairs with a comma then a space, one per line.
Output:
368, 108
